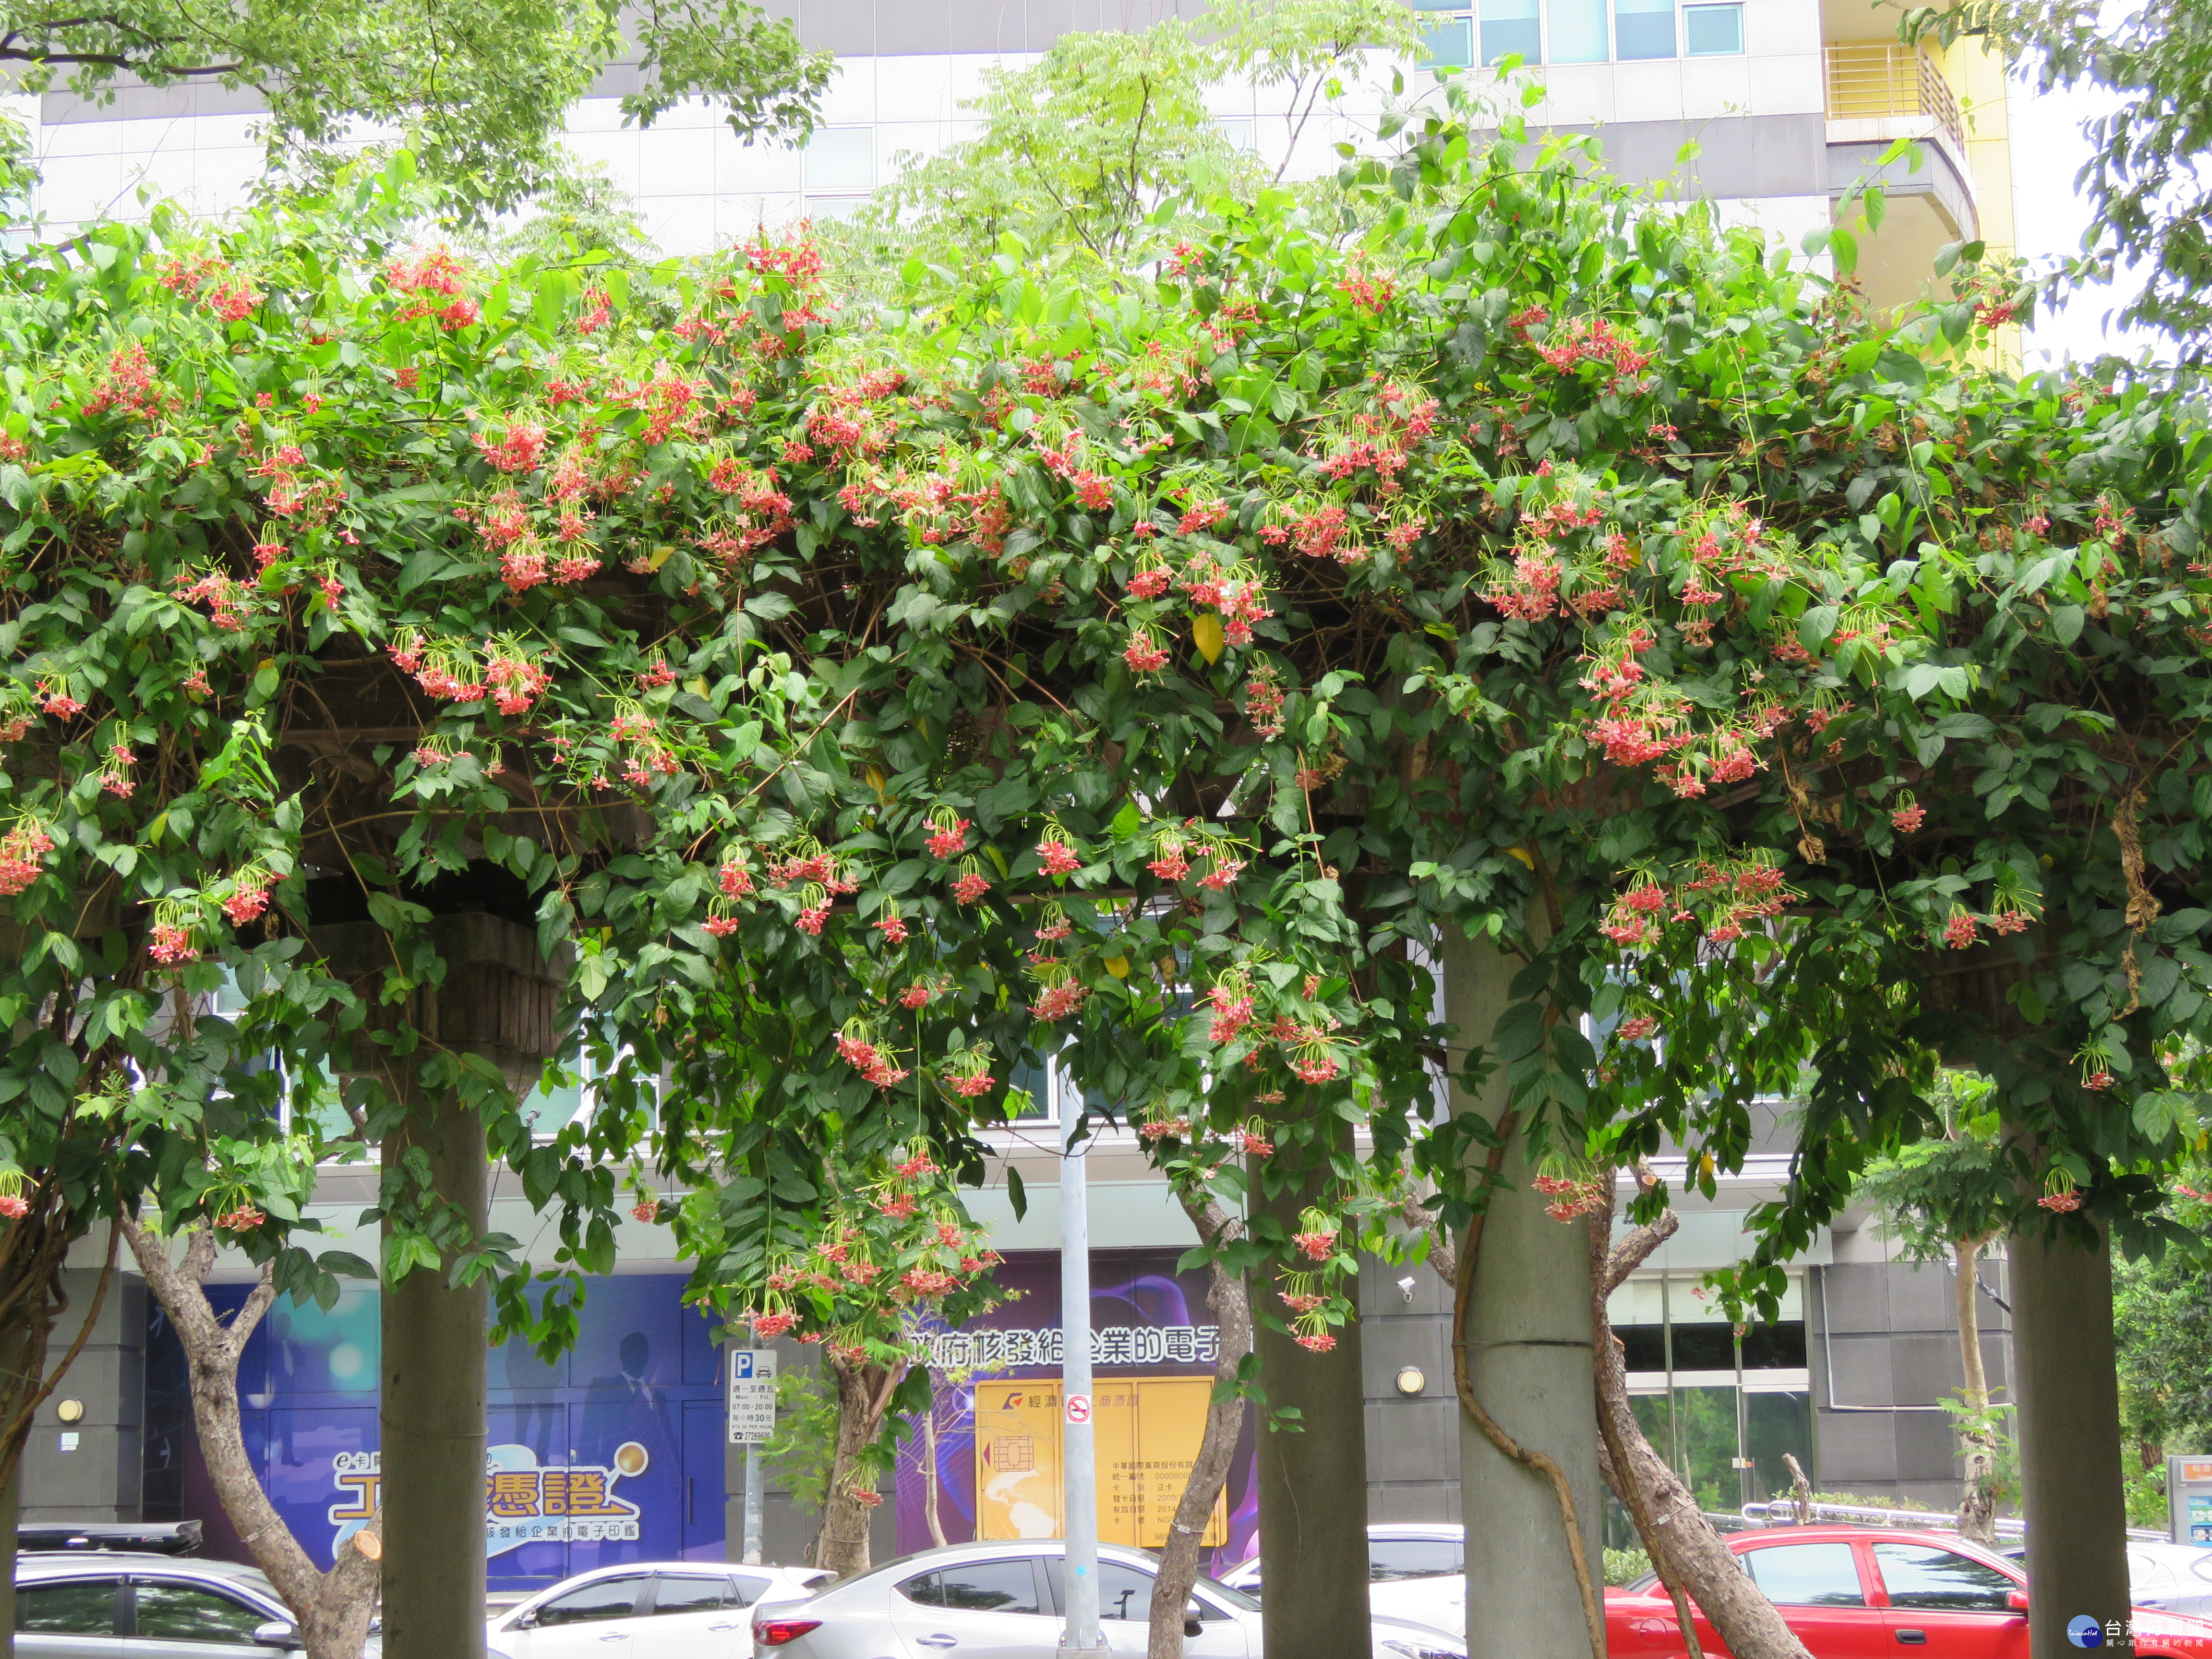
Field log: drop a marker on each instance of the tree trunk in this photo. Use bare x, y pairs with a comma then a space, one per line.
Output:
2073, 1488
1978, 1498
331, 1609
1691, 1558
1313, 1476
929, 1472
1231, 1299
864, 1394
435, 1361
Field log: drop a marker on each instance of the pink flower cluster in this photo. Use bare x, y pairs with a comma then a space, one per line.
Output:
172, 943
1057, 1002
870, 1061
520, 447
946, 840
1059, 857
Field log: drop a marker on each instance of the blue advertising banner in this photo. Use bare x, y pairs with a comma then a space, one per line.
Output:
612, 1453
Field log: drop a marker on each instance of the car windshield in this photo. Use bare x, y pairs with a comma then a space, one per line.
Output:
1221, 1592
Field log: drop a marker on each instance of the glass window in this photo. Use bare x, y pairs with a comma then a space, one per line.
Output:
1577, 31
1807, 1575
1123, 1592
192, 1613
691, 1595
1449, 43
1644, 29
976, 1587
604, 1598
750, 1587
76, 1607
1940, 1581
1509, 27
1412, 1557
1779, 1347
1712, 31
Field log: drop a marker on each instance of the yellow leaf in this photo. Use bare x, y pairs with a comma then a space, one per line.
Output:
1118, 966
1522, 853
697, 687
660, 556
1206, 633
877, 780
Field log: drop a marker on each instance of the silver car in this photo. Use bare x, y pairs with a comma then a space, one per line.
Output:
1002, 1600
114, 1604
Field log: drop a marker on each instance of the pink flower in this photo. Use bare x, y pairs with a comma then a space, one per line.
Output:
1254, 1146
2063, 1202
243, 1219
1143, 656
1060, 858
246, 905
1960, 931
1059, 1001
1635, 1030
2098, 1079
174, 944
1906, 819
12, 1205
971, 1087
811, 918
1317, 1070
1148, 583
735, 880
1317, 1245
768, 1326
893, 928
1170, 866
947, 840
648, 1210
721, 926
970, 887
1316, 1341
1225, 871
919, 994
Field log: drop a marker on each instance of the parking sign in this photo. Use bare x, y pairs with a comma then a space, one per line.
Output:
752, 1395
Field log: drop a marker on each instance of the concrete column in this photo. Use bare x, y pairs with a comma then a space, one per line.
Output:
433, 1415
501, 1001
2073, 1489
1529, 1363
1313, 1482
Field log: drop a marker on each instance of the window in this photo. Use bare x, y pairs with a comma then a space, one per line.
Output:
1712, 31
76, 1606
191, 1613
750, 1589
1807, 1575
840, 169
1643, 28
1123, 1592
1447, 35
604, 1598
1510, 29
1941, 1581
1412, 1557
1126, 1592
1576, 29
692, 1595
976, 1587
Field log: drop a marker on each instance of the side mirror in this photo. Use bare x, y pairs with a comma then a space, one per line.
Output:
1191, 1626
276, 1633
524, 1621
2017, 1601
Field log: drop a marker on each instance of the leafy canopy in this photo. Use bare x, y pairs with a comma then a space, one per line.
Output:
482, 89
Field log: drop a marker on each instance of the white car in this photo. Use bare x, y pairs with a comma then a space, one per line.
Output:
649, 1610
1416, 1570
1002, 1600
2172, 1577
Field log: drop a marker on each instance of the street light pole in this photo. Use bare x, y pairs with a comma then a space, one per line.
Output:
1079, 1469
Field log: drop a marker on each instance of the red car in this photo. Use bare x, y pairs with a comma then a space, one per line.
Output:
1874, 1592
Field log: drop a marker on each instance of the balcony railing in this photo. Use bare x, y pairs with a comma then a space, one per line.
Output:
1868, 81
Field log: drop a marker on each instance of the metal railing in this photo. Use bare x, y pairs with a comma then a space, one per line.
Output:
1868, 81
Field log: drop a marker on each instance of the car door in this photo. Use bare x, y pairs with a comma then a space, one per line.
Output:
187, 1618
596, 1618
976, 1610
68, 1617
1818, 1590
1947, 1604
1424, 1579
1125, 1613
696, 1616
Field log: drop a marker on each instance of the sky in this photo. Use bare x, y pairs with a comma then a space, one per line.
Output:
2049, 217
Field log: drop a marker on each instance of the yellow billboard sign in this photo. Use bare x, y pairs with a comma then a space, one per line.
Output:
1147, 1432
